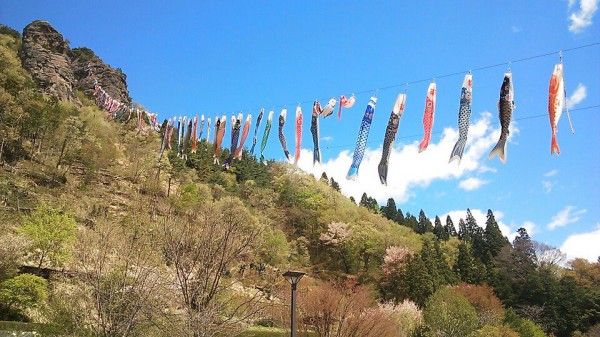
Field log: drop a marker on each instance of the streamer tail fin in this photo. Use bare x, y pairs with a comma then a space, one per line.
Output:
383, 170
554, 145
352, 173
458, 150
500, 150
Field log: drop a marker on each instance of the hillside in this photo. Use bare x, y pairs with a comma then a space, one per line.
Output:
99, 238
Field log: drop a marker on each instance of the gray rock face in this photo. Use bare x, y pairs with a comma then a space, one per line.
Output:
46, 56
60, 71
88, 67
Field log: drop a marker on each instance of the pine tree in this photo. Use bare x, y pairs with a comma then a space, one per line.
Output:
464, 263
463, 232
411, 222
493, 236
439, 230
523, 254
364, 201
324, 178
353, 200
389, 210
425, 225
335, 185
400, 217
449, 227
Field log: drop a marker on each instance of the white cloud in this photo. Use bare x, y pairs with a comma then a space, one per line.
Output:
582, 18
515, 29
471, 184
551, 173
425, 168
548, 186
584, 245
571, 3
327, 138
578, 95
480, 216
530, 226
565, 217
484, 169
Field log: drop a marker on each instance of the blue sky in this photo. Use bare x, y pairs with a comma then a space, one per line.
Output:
223, 57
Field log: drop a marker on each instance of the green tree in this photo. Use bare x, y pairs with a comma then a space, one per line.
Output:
389, 210
335, 185
493, 236
449, 227
495, 331
425, 225
523, 254
449, 314
400, 217
424, 272
439, 231
524, 327
22, 292
50, 231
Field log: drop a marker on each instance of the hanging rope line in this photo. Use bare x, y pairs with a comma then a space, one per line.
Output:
509, 63
440, 132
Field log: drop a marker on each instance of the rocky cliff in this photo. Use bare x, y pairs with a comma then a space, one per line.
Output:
47, 57
60, 71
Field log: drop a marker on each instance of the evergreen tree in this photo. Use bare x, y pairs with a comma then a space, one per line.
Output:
463, 233
373, 205
468, 268
335, 185
389, 210
439, 230
400, 217
411, 222
364, 200
353, 200
523, 255
464, 263
425, 272
449, 227
324, 178
493, 236
425, 225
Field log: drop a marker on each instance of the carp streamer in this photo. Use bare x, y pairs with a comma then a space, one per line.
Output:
281, 135
464, 117
263, 144
361, 142
390, 136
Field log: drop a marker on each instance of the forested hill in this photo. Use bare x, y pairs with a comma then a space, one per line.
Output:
99, 238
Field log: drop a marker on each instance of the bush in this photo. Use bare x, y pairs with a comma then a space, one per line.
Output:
21, 293
450, 314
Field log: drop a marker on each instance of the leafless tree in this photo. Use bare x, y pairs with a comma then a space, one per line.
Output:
118, 279
345, 310
202, 250
549, 257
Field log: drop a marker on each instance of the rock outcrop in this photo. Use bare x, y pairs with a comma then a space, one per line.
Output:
47, 57
60, 71
87, 67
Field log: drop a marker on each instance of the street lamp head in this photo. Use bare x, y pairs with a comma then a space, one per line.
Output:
293, 277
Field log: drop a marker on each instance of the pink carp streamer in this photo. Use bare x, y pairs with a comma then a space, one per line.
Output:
245, 131
428, 116
345, 103
219, 133
194, 139
298, 134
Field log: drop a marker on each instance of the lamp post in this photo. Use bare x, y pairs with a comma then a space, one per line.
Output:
293, 277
